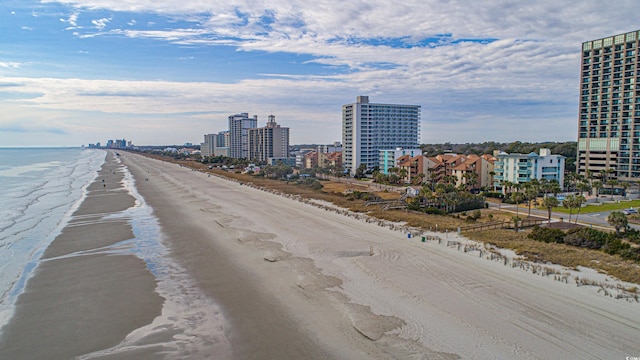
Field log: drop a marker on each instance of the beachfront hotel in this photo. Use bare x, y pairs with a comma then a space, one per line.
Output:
239, 126
368, 128
271, 141
609, 113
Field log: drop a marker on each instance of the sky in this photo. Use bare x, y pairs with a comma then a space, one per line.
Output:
160, 72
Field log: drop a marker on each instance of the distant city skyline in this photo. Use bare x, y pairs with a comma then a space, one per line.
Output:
75, 72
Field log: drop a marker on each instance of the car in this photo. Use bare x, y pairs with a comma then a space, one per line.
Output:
629, 211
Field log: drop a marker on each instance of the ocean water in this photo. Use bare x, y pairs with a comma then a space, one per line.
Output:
40, 188
39, 191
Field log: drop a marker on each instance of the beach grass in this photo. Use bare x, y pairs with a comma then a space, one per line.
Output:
568, 256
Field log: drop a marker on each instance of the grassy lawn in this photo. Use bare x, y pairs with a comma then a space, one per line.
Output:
604, 207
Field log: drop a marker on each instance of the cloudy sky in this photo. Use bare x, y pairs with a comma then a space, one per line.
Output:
161, 72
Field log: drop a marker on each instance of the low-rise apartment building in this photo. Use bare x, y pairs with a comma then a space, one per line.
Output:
522, 168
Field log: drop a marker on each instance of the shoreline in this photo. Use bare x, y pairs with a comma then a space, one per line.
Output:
81, 298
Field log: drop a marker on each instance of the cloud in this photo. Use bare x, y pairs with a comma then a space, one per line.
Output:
72, 20
100, 24
478, 68
9, 65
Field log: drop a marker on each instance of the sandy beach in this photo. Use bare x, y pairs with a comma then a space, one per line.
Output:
294, 280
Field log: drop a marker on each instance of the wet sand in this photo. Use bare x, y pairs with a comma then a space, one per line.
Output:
80, 299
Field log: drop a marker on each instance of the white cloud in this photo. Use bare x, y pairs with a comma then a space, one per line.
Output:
9, 65
72, 20
526, 73
100, 24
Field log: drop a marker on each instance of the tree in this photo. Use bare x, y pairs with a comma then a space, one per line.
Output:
516, 222
554, 187
579, 201
517, 197
360, 171
583, 187
470, 179
612, 183
570, 203
531, 193
618, 220
597, 185
625, 186
550, 202
402, 173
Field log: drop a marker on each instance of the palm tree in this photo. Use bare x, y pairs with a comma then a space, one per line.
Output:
569, 180
618, 220
531, 193
612, 183
579, 200
554, 187
402, 173
471, 179
583, 187
597, 185
625, 185
549, 203
569, 202
517, 197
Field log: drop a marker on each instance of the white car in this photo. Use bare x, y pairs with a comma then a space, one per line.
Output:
629, 211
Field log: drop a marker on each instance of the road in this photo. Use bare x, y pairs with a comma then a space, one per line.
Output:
598, 219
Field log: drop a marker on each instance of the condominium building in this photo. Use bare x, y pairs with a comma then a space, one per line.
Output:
206, 148
239, 126
522, 168
368, 128
271, 141
609, 119
389, 158
215, 144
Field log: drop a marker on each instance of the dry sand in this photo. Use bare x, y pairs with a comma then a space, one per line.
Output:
296, 281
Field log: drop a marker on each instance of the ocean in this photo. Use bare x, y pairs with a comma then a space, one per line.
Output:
40, 187
40, 190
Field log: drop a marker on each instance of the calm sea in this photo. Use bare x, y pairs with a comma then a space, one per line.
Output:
40, 188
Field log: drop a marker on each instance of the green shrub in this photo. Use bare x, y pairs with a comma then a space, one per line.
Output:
547, 235
434, 211
615, 246
586, 238
630, 253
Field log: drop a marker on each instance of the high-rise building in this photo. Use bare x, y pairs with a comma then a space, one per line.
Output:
609, 119
271, 141
239, 126
206, 147
368, 128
